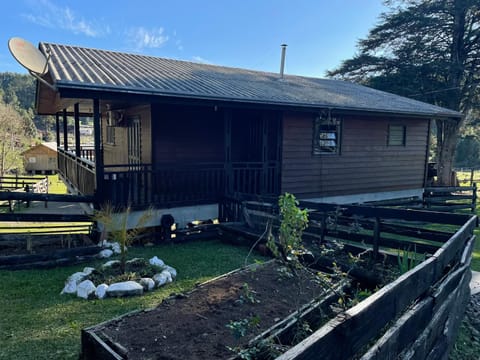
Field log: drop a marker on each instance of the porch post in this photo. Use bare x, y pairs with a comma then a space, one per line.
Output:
57, 128
264, 178
76, 114
65, 130
99, 196
228, 152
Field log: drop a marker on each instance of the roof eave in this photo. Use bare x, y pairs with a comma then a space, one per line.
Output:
91, 90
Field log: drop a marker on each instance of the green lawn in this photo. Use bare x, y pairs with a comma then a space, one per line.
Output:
36, 322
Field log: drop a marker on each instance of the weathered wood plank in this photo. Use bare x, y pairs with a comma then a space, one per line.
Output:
356, 325
453, 247
44, 217
23, 196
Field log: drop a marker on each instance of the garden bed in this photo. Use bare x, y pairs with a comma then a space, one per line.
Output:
216, 319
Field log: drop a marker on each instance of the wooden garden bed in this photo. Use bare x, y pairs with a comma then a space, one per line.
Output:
196, 325
415, 316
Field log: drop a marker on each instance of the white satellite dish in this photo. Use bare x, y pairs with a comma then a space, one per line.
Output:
30, 58
28, 55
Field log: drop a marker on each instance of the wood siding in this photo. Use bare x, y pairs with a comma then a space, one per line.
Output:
365, 163
187, 134
40, 158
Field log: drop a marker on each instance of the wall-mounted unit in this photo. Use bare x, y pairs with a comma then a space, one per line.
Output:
115, 118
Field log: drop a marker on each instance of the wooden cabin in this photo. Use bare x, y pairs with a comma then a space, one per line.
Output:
181, 135
41, 158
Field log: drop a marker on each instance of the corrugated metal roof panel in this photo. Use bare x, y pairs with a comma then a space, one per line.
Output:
95, 69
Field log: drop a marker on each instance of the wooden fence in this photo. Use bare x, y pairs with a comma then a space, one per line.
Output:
416, 316
20, 184
448, 198
45, 240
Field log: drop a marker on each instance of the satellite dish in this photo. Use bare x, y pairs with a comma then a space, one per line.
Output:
28, 55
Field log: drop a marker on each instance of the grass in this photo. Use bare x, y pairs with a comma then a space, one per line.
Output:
37, 322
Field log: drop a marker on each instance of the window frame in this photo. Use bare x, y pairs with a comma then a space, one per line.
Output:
327, 125
110, 135
394, 139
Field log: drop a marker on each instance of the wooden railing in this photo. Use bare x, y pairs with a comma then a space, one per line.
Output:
168, 185
77, 171
185, 184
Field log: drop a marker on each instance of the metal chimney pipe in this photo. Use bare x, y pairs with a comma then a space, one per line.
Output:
282, 64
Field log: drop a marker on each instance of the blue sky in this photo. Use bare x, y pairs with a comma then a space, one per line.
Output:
241, 33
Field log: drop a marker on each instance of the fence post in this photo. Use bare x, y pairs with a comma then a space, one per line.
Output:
472, 171
376, 237
474, 197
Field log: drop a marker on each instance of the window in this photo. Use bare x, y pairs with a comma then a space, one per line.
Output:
326, 138
110, 135
397, 135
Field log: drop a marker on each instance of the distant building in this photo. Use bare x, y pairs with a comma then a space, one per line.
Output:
41, 158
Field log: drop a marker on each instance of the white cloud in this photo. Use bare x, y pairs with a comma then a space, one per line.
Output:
45, 13
201, 60
141, 38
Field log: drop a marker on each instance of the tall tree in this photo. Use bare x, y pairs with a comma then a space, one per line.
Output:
12, 139
428, 50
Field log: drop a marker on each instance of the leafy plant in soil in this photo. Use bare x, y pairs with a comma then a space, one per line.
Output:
116, 224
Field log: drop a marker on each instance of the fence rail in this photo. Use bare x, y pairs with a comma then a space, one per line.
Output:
449, 198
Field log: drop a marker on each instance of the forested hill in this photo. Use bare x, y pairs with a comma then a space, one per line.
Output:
18, 90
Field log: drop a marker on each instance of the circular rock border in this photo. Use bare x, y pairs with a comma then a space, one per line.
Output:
86, 289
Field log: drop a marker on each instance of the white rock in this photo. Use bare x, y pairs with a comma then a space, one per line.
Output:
171, 270
101, 291
156, 262
110, 263
72, 282
135, 260
105, 253
147, 283
125, 288
163, 278
88, 270
85, 289
168, 274
116, 248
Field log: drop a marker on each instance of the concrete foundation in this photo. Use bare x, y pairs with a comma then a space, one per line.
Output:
361, 198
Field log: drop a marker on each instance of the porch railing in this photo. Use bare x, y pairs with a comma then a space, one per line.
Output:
186, 184
79, 172
168, 185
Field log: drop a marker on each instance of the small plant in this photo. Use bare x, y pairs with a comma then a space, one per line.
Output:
293, 222
115, 223
240, 328
247, 295
264, 349
302, 331
407, 260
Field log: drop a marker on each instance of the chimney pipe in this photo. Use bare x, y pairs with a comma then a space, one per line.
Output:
282, 64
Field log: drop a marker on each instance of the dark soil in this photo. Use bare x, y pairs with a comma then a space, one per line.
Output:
194, 326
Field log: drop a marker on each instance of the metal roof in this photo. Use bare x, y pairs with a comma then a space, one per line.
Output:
73, 67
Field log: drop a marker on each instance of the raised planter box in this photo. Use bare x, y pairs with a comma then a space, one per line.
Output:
196, 325
414, 317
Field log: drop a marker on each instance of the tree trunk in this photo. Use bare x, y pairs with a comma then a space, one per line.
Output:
448, 130
447, 134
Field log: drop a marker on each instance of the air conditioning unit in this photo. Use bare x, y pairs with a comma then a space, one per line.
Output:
115, 118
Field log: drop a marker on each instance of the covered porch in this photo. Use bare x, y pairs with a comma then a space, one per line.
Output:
165, 156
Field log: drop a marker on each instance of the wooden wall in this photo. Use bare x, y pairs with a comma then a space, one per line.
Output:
365, 164
187, 134
118, 153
